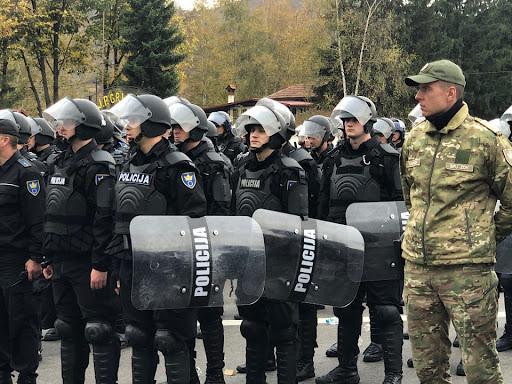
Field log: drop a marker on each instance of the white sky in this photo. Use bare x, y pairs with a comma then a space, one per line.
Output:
186, 4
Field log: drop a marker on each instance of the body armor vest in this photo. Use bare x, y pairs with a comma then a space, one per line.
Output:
136, 194
66, 207
254, 192
351, 181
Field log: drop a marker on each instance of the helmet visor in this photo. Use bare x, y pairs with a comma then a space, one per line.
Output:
129, 111
34, 127
311, 128
258, 115
383, 127
183, 116
64, 113
415, 114
507, 115
353, 107
217, 118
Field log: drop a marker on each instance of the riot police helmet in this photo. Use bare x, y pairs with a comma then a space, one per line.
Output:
46, 135
501, 125
383, 126
357, 107
319, 126
415, 116
105, 135
270, 120
284, 111
212, 130
221, 119
191, 118
81, 114
507, 115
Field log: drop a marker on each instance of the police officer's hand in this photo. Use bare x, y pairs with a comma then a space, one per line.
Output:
33, 269
48, 272
98, 279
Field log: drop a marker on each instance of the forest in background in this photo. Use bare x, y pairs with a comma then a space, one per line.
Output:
79, 48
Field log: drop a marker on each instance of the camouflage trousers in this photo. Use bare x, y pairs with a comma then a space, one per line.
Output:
467, 296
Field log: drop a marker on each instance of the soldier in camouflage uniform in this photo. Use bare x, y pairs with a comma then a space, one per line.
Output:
454, 168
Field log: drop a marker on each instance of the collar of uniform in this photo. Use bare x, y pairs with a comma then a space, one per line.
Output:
82, 152
363, 147
453, 124
157, 150
11, 161
197, 151
254, 165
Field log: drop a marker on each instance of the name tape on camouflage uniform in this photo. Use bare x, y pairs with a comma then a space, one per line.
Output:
459, 167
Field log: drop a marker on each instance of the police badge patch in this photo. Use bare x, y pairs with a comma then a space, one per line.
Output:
33, 187
99, 177
189, 179
290, 184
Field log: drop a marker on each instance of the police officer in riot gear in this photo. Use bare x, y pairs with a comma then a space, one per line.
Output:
382, 129
398, 134
228, 144
266, 178
319, 132
78, 229
307, 327
22, 196
189, 127
44, 139
156, 180
26, 132
106, 141
363, 170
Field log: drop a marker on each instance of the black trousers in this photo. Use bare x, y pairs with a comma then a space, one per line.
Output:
19, 323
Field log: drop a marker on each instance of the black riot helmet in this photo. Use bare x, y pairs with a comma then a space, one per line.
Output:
191, 118
24, 129
46, 135
272, 122
81, 114
148, 111
105, 135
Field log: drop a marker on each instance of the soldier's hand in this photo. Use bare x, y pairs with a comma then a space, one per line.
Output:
48, 272
33, 269
98, 279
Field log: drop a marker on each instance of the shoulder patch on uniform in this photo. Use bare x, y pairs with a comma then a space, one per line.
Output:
24, 162
288, 162
99, 177
486, 124
508, 156
189, 179
290, 184
33, 187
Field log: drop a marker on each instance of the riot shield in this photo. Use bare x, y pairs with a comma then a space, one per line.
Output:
181, 262
382, 225
504, 256
310, 261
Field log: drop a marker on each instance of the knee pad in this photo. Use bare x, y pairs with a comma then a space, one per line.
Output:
506, 283
283, 335
254, 330
98, 332
386, 314
137, 337
167, 343
64, 329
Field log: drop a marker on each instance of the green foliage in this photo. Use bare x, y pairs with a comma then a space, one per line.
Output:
151, 40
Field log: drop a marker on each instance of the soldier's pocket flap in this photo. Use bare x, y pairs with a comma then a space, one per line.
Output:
481, 287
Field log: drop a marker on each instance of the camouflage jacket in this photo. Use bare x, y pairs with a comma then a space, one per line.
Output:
451, 180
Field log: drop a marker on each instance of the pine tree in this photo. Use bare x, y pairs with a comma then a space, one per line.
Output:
151, 41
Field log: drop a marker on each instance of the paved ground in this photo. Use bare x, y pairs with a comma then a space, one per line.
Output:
235, 348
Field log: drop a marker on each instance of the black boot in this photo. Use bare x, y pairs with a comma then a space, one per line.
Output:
177, 367
504, 343
349, 329
270, 366
332, 351
307, 335
213, 339
106, 361
255, 357
373, 353
286, 362
74, 360
391, 327
144, 363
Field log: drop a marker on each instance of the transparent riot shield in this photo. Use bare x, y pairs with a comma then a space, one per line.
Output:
181, 262
310, 261
504, 256
382, 225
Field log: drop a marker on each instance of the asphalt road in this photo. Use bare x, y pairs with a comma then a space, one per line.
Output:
49, 370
